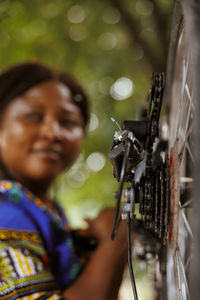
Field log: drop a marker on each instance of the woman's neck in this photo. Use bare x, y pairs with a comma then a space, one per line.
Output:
38, 188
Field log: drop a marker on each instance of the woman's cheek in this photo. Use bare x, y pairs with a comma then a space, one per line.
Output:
13, 135
74, 134
73, 140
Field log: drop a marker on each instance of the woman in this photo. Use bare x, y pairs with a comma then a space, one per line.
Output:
43, 118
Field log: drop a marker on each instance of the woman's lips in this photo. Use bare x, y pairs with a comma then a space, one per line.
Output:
48, 153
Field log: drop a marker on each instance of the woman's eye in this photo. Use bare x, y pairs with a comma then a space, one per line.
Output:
68, 123
33, 116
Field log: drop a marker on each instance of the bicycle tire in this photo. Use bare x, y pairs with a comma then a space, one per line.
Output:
182, 92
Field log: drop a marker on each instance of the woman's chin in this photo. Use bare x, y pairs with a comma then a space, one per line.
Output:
42, 174
37, 171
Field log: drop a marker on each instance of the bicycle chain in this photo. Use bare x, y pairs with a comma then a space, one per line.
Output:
154, 113
167, 171
149, 199
154, 187
157, 197
154, 200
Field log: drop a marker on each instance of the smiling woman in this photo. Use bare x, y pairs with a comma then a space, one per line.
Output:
43, 118
46, 129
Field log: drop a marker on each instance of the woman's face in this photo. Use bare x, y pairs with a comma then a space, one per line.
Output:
41, 132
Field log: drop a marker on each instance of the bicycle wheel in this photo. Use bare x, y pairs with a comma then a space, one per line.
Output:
181, 110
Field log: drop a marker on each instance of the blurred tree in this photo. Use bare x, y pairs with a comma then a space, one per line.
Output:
111, 46
155, 56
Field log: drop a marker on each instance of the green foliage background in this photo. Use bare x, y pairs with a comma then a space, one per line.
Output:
99, 49
98, 42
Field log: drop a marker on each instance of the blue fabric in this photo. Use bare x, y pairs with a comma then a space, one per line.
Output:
21, 210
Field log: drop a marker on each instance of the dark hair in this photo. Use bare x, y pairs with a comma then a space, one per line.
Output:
18, 79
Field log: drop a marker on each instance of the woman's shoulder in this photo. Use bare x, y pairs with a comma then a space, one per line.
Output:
11, 190
15, 192
12, 213
6, 184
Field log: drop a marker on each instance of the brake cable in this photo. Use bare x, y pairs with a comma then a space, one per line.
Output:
117, 220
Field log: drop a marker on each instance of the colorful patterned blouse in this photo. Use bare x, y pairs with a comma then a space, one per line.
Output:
37, 257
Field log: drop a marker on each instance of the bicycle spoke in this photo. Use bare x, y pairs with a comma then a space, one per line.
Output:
187, 225
185, 138
189, 96
191, 106
190, 152
185, 71
188, 262
184, 77
182, 114
185, 133
186, 192
183, 284
187, 204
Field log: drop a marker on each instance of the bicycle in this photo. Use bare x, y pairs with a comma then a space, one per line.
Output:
162, 181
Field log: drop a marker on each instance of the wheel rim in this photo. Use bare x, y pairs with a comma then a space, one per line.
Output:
181, 124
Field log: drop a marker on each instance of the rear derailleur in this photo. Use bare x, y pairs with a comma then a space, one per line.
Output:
141, 162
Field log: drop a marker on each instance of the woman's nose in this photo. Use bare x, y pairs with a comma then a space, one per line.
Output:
50, 129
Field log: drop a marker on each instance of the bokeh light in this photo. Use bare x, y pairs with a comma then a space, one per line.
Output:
107, 41
96, 161
76, 178
76, 14
144, 7
77, 32
94, 122
138, 52
104, 84
77, 174
122, 88
111, 16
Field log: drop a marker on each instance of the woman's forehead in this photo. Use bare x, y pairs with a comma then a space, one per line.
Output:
52, 95
51, 89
